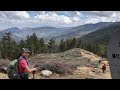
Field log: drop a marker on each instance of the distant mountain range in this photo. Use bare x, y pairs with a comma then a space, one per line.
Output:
87, 32
41, 32
82, 30
102, 35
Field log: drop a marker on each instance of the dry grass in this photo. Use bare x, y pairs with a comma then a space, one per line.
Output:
4, 62
3, 76
56, 67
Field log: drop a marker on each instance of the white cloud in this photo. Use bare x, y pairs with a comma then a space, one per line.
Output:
55, 18
22, 14
78, 13
14, 15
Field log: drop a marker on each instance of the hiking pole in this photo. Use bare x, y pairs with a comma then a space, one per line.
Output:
33, 74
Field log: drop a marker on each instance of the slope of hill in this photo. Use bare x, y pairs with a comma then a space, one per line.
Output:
82, 30
102, 35
87, 65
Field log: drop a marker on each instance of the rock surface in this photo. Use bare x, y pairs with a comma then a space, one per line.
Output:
46, 73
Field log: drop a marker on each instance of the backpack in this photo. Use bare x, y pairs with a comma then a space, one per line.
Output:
12, 70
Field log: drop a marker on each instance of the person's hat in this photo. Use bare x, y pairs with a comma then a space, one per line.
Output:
25, 50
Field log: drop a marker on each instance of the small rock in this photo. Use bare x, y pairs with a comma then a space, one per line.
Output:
93, 70
46, 73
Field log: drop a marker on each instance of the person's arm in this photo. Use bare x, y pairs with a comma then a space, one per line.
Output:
23, 64
30, 70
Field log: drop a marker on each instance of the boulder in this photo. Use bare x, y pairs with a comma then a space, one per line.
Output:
46, 73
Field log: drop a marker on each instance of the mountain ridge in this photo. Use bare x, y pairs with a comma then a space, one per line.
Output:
102, 35
53, 32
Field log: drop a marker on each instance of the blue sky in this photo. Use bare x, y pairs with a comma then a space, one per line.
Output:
22, 19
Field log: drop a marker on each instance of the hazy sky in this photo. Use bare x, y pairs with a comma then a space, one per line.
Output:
22, 19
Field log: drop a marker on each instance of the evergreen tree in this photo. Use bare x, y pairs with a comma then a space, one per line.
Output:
78, 43
35, 43
73, 43
32, 42
62, 45
51, 45
42, 46
22, 44
8, 45
67, 44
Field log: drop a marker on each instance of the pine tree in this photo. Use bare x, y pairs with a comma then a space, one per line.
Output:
51, 45
73, 42
29, 44
32, 42
102, 50
67, 44
42, 46
78, 43
22, 44
96, 48
62, 45
35, 43
8, 45
15, 50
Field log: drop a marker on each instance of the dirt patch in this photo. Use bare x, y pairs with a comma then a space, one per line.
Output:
3, 76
